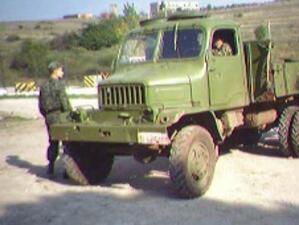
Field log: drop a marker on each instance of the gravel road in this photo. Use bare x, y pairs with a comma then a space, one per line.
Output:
252, 185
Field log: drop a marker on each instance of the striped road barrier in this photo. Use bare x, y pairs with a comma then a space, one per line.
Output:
90, 80
25, 86
93, 80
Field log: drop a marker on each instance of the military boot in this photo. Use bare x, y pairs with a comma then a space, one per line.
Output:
50, 170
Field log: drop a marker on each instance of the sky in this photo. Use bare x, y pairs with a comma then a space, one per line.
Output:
19, 10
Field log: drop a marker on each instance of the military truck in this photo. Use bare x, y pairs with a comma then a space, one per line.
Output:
170, 96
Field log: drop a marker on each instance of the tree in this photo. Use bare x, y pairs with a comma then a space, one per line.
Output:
131, 17
65, 41
104, 34
163, 9
209, 7
162, 6
32, 59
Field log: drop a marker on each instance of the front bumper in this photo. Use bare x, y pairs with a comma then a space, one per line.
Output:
95, 132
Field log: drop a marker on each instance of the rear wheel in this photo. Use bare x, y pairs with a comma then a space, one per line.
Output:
192, 161
295, 134
284, 130
85, 164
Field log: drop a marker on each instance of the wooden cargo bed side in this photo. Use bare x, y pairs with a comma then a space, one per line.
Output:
286, 78
256, 55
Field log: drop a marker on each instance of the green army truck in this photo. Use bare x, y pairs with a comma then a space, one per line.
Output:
169, 95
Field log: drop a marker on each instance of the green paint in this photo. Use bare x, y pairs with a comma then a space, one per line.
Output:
166, 70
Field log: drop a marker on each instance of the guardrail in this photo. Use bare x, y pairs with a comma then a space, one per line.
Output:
70, 90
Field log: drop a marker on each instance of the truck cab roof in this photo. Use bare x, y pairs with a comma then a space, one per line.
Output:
185, 20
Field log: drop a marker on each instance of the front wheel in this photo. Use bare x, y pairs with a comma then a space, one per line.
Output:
86, 165
192, 161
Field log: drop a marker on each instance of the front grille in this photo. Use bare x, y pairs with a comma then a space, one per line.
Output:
121, 95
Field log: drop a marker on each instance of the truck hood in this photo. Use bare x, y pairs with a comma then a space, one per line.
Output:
151, 74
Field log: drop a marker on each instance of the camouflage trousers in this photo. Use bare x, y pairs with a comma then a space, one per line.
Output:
53, 150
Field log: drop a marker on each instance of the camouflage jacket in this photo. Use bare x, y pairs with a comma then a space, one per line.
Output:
53, 100
225, 50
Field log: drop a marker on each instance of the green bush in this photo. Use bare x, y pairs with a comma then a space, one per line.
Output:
238, 15
65, 41
79, 61
32, 59
104, 34
13, 38
37, 27
262, 33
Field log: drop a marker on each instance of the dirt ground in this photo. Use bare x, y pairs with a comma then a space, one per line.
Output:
253, 185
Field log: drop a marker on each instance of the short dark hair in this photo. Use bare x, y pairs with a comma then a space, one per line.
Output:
53, 66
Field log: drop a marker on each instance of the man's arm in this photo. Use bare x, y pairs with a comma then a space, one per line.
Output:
40, 104
227, 50
65, 102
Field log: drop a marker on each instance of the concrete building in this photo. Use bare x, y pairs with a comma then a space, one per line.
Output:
172, 6
80, 16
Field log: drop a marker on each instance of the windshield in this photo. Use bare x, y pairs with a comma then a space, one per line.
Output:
182, 43
138, 48
186, 43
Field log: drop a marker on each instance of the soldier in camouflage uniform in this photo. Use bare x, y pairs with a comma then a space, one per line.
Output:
53, 101
220, 48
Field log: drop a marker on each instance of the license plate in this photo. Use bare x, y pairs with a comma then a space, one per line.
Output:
153, 138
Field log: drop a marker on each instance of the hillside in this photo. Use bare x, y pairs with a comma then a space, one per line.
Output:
77, 61
283, 16
41, 30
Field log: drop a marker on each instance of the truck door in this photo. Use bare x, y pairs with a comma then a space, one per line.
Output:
226, 70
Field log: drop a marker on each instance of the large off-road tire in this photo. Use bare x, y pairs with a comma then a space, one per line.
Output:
284, 131
192, 161
86, 166
295, 134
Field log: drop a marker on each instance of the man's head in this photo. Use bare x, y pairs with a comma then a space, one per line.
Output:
218, 43
56, 70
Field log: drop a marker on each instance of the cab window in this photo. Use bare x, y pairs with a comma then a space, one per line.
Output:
224, 43
183, 43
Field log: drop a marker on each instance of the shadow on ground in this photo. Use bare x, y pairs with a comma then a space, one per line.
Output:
152, 178
270, 148
90, 208
39, 171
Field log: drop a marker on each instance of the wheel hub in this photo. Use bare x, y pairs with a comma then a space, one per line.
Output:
198, 162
